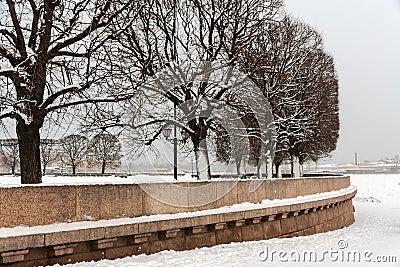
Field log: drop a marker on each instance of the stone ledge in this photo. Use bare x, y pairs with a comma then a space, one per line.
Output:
89, 233
124, 240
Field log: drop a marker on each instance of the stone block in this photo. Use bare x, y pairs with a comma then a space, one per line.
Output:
232, 216
148, 227
289, 225
309, 231
271, 229
322, 215
240, 223
292, 188
228, 235
177, 223
253, 213
307, 205
278, 189
165, 199
335, 211
206, 219
116, 201
82, 247
251, 191
302, 222
104, 243
310, 186
226, 193
172, 233
220, 226
324, 184
120, 252
121, 230
32, 206
36, 254
202, 195
13, 256
21, 242
252, 232
198, 229
140, 238
329, 214
123, 201
320, 228
155, 246
283, 209
200, 240
295, 207
177, 244
61, 250
57, 238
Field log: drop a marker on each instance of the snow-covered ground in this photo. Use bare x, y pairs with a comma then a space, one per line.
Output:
375, 234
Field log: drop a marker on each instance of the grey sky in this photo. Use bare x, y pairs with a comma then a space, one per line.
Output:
364, 38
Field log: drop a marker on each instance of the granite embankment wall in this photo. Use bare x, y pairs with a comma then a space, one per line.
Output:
39, 205
183, 226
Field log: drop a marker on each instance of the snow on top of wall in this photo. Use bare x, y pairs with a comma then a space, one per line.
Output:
51, 180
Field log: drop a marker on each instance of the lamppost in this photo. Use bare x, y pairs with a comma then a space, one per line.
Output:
166, 131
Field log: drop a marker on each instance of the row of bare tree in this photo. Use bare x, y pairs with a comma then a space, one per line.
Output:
102, 151
288, 63
240, 69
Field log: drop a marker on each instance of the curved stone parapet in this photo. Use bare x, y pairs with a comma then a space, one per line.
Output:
39, 205
119, 237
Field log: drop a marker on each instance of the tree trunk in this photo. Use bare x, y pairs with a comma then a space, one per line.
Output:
29, 153
278, 170
103, 167
44, 169
238, 163
201, 153
301, 169
73, 168
13, 169
291, 166
202, 162
296, 167
258, 173
269, 167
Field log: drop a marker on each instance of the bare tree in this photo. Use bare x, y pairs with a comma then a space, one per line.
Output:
55, 55
74, 148
182, 44
48, 152
10, 153
288, 63
106, 150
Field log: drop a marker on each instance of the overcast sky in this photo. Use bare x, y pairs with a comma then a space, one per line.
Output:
363, 36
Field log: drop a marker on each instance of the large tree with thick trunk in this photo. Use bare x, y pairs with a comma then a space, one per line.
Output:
55, 55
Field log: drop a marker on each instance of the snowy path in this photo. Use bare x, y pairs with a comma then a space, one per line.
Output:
375, 232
